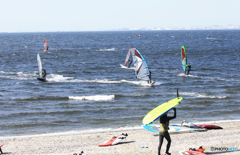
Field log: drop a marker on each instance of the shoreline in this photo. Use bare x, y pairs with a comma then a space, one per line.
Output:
88, 142
103, 130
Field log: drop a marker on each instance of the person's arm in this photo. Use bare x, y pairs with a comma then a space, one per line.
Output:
175, 114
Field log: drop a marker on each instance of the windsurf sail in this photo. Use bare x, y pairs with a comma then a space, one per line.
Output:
45, 44
183, 58
128, 56
141, 68
39, 65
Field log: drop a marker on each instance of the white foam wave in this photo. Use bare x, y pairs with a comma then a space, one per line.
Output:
93, 98
58, 78
202, 95
18, 75
101, 81
142, 83
190, 75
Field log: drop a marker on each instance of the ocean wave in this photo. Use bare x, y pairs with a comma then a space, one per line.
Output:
93, 98
142, 83
58, 78
201, 95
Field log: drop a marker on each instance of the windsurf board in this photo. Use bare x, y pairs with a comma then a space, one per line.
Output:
206, 126
41, 79
184, 74
172, 128
160, 110
115, 140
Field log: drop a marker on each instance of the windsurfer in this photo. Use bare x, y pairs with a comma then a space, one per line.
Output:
188, 68
163, 133
150, 77
44, 73
130, 62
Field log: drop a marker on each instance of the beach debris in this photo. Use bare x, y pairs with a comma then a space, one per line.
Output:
144, 147
82, 153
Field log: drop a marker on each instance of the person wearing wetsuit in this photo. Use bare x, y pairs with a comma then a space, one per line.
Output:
150, 77
1, 149
44, 73
130, 62
189, 68
163, 133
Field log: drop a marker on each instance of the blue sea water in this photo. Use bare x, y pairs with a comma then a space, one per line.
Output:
87, 89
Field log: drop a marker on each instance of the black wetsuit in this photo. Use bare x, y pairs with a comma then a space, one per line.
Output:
150, 77
165, 121
44, 73
130, 62
189, 68
1, 150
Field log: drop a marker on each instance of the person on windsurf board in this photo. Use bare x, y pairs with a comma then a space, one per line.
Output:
128, 60
44, 73
129, 63
188, 68
150, 77
142, 71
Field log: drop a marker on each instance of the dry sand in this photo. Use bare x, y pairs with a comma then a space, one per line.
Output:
229, 137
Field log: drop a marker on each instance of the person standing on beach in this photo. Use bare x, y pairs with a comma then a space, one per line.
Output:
163, 133
1, 149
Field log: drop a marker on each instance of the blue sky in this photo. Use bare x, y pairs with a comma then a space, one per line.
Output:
84, 15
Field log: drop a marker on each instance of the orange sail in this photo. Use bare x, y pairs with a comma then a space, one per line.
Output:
45, 44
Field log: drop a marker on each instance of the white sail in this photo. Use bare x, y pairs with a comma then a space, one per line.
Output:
141, 68
39, 65
128, 56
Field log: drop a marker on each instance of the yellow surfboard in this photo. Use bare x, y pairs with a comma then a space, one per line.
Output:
160, 110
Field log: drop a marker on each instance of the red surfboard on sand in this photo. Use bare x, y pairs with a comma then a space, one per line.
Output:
114, 140
209, 126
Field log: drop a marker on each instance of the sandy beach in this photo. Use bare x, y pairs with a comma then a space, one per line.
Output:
228, 137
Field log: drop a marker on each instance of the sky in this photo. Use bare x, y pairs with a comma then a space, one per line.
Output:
86, 15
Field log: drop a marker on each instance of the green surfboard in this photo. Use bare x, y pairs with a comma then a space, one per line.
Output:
160, 110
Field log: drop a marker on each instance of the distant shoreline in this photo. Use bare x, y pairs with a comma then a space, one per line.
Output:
127, 31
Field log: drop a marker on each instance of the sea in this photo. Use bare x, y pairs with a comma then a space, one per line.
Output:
87, 89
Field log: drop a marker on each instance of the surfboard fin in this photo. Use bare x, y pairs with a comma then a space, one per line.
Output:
177, 93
